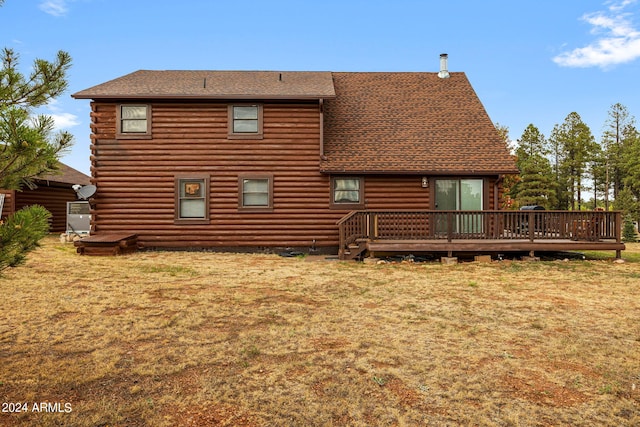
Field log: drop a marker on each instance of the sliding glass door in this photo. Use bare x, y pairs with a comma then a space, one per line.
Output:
460, 195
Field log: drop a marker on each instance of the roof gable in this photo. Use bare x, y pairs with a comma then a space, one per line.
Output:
146, 84
410, 123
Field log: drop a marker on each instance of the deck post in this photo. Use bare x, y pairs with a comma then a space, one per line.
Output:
618, 225
449, 226
372, 220
341, 240
531, 225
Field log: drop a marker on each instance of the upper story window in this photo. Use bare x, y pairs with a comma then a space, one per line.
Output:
347, 193
245, 121
134, 121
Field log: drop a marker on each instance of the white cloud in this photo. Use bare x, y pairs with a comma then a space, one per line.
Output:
54, 7
64, 120
61, 120
54, 105
618, 41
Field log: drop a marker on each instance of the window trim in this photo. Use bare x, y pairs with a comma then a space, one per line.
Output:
267, 208
178, 179
132, 135
350, 206
244, 135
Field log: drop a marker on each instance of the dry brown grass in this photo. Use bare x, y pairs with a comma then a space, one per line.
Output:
195, 339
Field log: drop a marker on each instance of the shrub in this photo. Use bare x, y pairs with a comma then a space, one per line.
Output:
628, 230
21, 233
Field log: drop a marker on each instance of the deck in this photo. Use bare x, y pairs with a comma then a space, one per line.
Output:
368, 231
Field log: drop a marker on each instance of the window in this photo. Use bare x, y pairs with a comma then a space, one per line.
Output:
192, 200
134, 121
255, 193
245, 121
347, 193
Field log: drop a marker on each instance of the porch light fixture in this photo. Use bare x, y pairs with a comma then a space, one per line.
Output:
425, 182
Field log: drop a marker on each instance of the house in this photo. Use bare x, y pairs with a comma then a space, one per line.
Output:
248, 160
52, 190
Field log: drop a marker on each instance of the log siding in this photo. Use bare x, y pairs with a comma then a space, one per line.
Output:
136, 178
53, 198
137, 191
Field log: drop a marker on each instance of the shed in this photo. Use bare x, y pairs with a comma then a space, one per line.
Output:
52, 190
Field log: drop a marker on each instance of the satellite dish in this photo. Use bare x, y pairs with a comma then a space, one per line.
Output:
84, 192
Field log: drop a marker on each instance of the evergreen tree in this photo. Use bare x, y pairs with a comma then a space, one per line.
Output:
628, 204
504, 134
509, 181
629, 234
629, 197
531, 142
28, 146
574, 147
614, 147
599, 176
21, 233
560, 185
536, 184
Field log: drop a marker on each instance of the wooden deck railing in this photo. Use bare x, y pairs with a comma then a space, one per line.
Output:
483, 225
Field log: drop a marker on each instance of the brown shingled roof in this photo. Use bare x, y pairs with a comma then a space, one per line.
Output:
410, 123
214, 85
374, 122
66, 175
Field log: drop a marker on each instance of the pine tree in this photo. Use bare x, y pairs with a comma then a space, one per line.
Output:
28, 145
629, 233
598, 168
509, 182
614, 147
21, 233
574, 147
629, 197
536, 184
531, 142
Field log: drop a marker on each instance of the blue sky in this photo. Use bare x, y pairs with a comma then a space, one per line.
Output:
529, 61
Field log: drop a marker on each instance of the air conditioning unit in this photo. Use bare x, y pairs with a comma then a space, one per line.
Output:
78, 217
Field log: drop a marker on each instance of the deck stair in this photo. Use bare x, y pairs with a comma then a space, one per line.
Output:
355, 250
107, 244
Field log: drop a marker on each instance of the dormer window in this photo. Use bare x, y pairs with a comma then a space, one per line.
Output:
245, 121
134, 121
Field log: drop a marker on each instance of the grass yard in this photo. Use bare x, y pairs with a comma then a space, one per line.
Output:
207, 339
